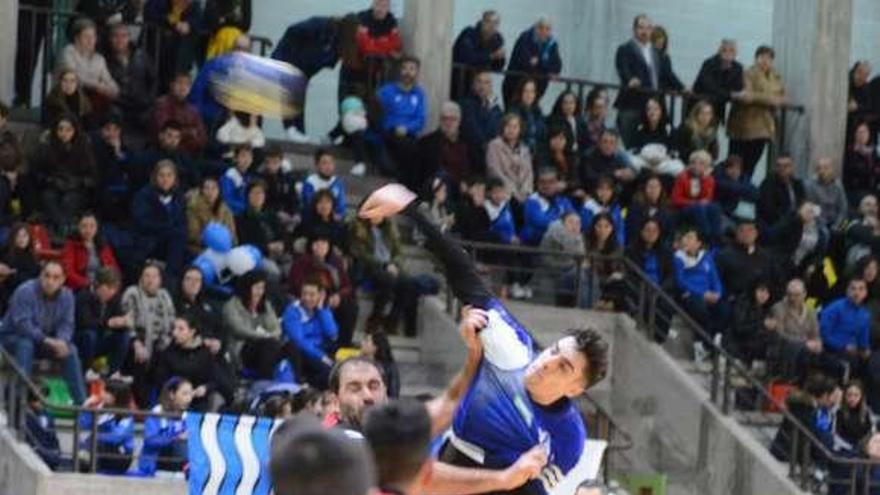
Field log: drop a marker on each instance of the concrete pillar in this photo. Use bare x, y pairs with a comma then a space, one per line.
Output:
427, 34
812, 39
8, 33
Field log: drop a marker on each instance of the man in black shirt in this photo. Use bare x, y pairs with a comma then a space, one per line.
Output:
720, 77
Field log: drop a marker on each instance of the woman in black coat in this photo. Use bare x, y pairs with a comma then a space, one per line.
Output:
654, 258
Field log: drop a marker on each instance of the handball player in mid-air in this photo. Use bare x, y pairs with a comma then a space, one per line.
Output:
519, 398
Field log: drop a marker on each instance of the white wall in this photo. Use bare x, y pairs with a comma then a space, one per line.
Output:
866, 32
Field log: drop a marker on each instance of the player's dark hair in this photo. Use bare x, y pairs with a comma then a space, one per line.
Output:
399, 433
595, 349
308, 460
336, 371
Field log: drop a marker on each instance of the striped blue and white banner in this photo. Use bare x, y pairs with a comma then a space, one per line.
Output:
229, 455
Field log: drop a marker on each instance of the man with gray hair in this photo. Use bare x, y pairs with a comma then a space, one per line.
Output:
479, 47
720, 78
535, 53
443, 152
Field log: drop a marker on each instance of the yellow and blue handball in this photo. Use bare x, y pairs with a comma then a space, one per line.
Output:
259, 86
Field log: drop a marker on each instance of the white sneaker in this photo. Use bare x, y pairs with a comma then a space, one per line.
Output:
359, 169
298, 137
699, 353
527, 292
517, 292
92, 376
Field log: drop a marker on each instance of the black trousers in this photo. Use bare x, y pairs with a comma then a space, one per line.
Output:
31, 32
750, 150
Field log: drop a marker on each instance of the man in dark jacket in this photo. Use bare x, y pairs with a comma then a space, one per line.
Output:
720, 77
444, 152
479, 47
480, 118
780, 193
605, 159
537, 53
158, 214
730, 188
169, 148
812, 407
133, 72
743, 263
112, 157
101, 325
640, 70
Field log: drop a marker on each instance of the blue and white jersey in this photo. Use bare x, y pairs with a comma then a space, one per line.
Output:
497, 421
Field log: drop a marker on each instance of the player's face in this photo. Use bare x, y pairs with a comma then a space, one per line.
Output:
558, 371
360, 386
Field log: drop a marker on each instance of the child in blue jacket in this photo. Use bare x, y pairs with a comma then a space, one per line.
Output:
234, 182
166, 437
323, 178
308, 323
604, 200
543, 207
115, 431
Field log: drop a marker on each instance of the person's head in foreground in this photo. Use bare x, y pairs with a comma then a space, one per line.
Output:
567, 368
308, 460
358, 384
399, 433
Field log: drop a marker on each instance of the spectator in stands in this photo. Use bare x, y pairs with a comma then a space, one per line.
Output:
115, 442
781, 193
525, 104
312, 45
324, 178
164, 437
660, 40
192, 302
509, 159
169, 147
720, 78
189, 358
603, 290
543, 207
159, 217
444, 152
399, 434
752, 124
863, 232
652, 148
603, 200
650, 203
320, 217
564, 236
234, 182
827, 192
797, 330
405, 109
694, 196
699, 131
134, 72
320, 262
742, 263
175, 107
281, 194
152, 313
11, 155
203, 207
473, 222
378, 40
641, 71
308, 323
749, 332
810, 406
113, 160
595, 115
19, 263
182, 18
67, 98
241, 128
501, 229
536, 53
606, 159
102, 328
480, 118
40, 324
654, 257
85, 253
65, 172
40, 432
556, 154
376, 249
254, 330
376, 346
845, 327
699, 288
90, 66
436, 207
730, 188
854, 418
202, 95
567, 114
860, 164
104, 12
260, 227
860, 103
477, 48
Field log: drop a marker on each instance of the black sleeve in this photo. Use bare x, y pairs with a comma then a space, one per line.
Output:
461, 275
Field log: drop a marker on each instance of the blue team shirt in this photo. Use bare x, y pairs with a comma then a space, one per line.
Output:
497, 419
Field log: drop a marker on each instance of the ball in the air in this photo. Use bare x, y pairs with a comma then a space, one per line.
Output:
259, 86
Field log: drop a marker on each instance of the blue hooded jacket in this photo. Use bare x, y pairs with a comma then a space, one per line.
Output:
696, 275
540, 212
315, 183
312, 334
159, 433
403, 108
842, 323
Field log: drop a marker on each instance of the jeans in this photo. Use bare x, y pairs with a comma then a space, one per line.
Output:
24, 349
707, 218
93, 342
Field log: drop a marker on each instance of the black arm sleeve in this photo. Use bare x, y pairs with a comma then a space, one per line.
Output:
461, 275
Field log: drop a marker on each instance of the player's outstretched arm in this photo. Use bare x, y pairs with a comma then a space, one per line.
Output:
442, 408
461, 274
447, 479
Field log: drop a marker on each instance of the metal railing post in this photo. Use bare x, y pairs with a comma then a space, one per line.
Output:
93, 444
716, 375
725, 398
579, 281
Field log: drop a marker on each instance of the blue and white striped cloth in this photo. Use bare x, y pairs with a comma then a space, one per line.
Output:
229, 455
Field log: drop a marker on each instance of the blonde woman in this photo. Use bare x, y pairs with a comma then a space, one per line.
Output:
509, 159
699, 131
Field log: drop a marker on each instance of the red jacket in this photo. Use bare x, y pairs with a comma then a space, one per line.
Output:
75, 259
681, 191
193, 136
306, 267
378, 38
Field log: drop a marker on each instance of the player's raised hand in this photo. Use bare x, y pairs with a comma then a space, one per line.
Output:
527, 467
472, 321
386, 201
